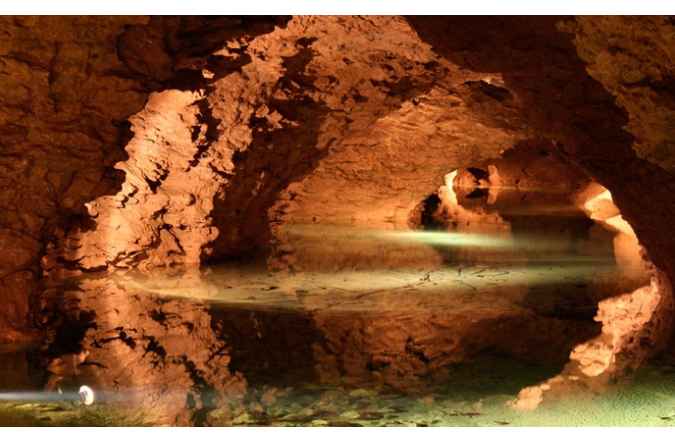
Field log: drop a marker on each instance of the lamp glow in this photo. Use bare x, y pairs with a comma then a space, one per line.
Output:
87, 396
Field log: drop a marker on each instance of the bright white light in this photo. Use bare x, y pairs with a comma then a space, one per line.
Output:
597, 211
87, 395
438, 238
619, 223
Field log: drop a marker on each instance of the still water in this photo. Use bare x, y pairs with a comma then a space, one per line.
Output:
449, 344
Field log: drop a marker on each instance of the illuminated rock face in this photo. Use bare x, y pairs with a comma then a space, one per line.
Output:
144, 143
205, 166
70, 86
635, 325
559, 100
635, 310
65, 98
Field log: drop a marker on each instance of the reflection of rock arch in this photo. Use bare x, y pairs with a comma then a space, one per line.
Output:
635, 325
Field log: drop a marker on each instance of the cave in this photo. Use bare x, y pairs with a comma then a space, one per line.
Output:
337, 220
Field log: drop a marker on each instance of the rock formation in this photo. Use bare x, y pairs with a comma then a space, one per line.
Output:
133, 143
635, 325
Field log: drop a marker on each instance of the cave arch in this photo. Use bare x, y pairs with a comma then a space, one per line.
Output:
433, 94
634, 311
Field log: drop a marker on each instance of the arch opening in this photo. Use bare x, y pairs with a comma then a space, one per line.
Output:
623, 299
317, 151
406, 296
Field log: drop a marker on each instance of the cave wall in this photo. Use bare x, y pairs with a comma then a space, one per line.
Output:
69, 85
65, 96
205, 164
313, 90
204, 167
375, 177
561, 101
152, 142
634, 59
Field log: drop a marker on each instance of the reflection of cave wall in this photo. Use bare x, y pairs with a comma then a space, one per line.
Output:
141, 349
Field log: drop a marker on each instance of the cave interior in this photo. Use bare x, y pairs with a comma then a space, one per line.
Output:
337, 220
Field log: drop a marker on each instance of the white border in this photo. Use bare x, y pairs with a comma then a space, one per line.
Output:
333, 7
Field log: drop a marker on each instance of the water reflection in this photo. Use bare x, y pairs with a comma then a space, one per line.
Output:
188, 343
195, 346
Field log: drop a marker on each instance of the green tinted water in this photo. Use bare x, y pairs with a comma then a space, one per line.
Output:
474, 395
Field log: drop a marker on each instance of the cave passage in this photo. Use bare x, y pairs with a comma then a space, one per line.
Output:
336, 220
515, 288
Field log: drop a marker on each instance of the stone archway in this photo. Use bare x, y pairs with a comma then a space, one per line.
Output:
253, 128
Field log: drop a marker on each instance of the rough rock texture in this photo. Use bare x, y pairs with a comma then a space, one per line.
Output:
635, 325
68, 87
633, 329
200, 163
159, 206
562, 102
65, 97
376, 176
220, 158
136, 142
634, 59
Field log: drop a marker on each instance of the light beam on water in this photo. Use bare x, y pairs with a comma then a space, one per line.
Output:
39, 396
